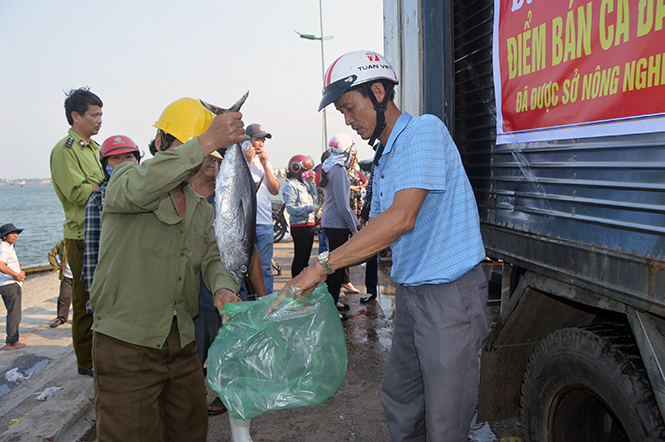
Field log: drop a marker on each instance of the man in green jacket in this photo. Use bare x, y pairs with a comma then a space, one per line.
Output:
157, 240
76, 172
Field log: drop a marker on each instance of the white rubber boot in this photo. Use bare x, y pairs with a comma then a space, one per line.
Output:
240, 430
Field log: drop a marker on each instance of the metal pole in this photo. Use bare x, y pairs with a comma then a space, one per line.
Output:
323, 73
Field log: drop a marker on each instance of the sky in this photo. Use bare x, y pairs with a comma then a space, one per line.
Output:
138, 56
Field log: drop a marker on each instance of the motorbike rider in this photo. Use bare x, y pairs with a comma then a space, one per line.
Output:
300, 200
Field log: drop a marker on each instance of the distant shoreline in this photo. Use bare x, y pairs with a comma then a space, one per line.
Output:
26, 182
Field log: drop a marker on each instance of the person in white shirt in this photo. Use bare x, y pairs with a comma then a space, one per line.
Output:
11, 278
262, 171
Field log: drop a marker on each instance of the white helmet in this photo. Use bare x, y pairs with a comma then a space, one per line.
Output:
341, 143
353, 69
356, 69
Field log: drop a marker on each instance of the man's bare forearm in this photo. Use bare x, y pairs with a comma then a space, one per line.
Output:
271, 181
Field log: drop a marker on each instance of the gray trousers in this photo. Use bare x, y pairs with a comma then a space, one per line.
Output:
65, 299
11, 296
430, 386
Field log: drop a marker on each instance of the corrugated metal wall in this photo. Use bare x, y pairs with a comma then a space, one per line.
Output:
590, 212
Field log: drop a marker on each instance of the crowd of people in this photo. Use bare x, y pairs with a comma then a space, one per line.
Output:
328, 198
140, 265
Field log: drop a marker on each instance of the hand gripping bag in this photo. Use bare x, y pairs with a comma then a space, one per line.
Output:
278, 352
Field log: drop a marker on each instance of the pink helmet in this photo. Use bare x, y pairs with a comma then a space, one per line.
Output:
341, 143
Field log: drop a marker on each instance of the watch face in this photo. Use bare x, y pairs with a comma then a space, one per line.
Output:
324, 255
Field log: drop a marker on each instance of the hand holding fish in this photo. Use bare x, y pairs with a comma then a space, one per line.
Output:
222, 296
235, 205
225, 130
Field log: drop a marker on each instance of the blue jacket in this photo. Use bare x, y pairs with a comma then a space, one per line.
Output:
299, 200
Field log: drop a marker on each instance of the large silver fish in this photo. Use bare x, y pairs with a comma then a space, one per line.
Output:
235, 206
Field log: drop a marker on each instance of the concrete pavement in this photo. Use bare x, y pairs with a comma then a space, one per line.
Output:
353, 413
49, 356
49, 360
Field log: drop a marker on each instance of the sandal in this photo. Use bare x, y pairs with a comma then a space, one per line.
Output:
216, 407
57, 322
348, 287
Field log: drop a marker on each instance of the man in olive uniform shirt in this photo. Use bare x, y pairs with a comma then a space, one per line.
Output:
76, 172
157, 241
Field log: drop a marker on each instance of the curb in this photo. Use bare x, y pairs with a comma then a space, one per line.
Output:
66, 416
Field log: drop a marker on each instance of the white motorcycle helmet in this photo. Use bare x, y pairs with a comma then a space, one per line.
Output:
360, 68
341, 143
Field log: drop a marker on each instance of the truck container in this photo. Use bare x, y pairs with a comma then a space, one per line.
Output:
577, 226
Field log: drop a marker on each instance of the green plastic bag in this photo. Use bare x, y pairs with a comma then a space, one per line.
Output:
292, 357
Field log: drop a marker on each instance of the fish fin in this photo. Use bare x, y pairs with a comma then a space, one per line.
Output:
243, 227
214, 109
238, 104
220, 110
240, 217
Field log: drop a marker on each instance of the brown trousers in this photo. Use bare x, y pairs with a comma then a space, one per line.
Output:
81, 320
143, 392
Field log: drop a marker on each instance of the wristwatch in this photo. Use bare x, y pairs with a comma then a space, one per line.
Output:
323, 260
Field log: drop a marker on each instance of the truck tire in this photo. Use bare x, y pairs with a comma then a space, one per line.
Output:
588, 384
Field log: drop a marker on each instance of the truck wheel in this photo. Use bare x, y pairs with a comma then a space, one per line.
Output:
588, 384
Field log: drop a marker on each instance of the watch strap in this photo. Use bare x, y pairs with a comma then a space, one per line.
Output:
326, 265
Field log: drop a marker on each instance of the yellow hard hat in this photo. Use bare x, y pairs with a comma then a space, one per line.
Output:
185, 119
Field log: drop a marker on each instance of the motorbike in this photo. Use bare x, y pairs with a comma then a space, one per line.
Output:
279, 224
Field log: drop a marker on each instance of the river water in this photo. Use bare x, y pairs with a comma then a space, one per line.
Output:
36, 209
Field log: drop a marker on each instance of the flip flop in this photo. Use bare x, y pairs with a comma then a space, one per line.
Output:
216, 407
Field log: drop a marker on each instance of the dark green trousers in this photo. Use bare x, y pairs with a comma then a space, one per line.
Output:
141, 392
81, 321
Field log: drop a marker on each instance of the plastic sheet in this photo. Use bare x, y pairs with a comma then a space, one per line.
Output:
278, 352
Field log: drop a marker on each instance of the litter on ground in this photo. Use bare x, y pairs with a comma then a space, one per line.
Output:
48, 393
14, 376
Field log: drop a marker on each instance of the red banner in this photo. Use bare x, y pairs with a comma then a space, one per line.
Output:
587, 68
